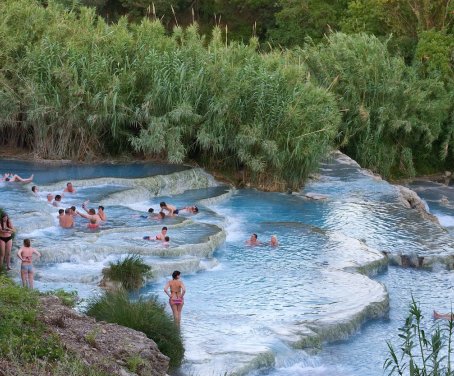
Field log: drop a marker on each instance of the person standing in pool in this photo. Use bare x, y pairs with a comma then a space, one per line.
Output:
25, 254
175, 290
6, 240
102, 215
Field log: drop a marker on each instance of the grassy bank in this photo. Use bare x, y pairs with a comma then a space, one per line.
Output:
26, 346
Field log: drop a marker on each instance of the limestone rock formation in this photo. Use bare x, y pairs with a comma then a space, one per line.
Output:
108, 347
410, 199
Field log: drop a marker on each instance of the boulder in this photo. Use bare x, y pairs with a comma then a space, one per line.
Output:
410, 199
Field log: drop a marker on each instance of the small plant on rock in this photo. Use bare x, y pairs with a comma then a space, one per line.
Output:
131, 272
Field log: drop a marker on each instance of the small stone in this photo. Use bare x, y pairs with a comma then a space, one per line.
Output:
448, 173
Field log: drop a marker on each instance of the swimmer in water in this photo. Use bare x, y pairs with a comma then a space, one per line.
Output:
253, 240
35, 190
170, 209
151, 215
67, 220
446, 316
16, 178
50, 198
93, 225
102, 215
161, 236
57, 201
190, 209
69, 188
273, 241
176, 290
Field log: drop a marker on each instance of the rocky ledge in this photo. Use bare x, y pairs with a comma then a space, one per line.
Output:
107, 347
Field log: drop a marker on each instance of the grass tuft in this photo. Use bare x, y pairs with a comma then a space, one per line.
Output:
147, 316
131, 272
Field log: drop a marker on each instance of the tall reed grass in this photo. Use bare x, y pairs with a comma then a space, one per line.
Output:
74, 86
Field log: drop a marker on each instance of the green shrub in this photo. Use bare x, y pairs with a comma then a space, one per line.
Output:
421, 353
147, 316
131, 272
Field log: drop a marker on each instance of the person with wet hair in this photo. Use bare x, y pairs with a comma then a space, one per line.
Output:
50, 198
176, 290
6, 240
73, 211
25, 254
60, 213
57, 201
170, 209
69, 188
35, 190
253, 240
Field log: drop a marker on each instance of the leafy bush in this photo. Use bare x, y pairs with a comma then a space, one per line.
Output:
421, 355
131, 272
391, 117
147, 316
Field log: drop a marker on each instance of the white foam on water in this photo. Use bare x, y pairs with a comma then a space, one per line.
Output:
445, 220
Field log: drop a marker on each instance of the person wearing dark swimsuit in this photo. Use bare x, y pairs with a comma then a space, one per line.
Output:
176, 295
6, 240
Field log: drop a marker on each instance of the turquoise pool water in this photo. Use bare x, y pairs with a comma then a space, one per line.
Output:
249, 308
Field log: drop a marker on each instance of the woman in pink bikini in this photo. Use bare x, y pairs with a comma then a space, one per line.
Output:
26, 269
176, 295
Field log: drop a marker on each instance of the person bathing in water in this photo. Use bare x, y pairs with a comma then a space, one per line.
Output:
101, 213
253, 240
161, 236
93, 225
16, 178
152, 215
69, 188
176, 290
446, 316
25, 254
170, 209
273, 241
66, 220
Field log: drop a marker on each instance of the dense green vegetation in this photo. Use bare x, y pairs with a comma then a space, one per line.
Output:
26, 347
77, 85
147, 316
130, 272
